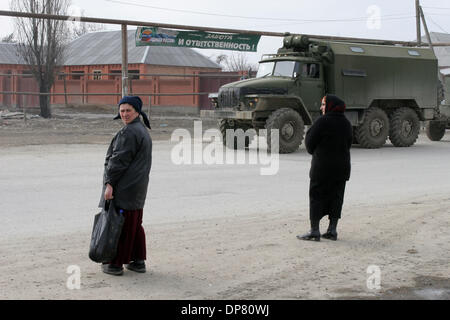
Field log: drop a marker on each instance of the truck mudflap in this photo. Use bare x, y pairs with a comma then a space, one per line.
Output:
226, 114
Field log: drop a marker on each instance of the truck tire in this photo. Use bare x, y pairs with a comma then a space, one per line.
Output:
374, 130
225, 124
404, 127
355, 139
440, 92
291, 129
435, 130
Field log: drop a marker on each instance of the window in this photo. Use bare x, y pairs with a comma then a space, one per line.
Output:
284, 69
354, 73
288, 69
357, 49
97, 74
77, 75
26, 74
265, 69
310, 70
413, 53
118, 72
133, 74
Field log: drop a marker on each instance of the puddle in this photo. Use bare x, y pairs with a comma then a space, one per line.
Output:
425, 288
433, 294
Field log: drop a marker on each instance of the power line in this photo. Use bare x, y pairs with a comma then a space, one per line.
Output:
440, 8
436, 24
301, 23
256, 18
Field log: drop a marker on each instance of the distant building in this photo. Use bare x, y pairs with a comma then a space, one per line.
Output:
101, 52
93, 54
12, 63
442, 53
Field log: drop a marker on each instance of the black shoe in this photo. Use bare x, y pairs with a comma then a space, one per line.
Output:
311, 235
111, 269
330, 235
136, 266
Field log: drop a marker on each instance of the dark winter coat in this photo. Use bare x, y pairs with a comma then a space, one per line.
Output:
329, 140
127, 166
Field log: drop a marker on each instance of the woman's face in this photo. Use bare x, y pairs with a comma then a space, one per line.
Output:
323, 105
127, 113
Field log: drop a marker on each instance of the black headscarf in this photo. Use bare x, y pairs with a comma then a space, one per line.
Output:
334, 104
136, 102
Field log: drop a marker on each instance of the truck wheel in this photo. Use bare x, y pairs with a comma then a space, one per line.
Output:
237, 143
355, 139
435, 130
404, 127
373, 132
440, 92
290, 128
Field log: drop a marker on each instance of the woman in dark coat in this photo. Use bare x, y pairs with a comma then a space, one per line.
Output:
125, 181
329, 141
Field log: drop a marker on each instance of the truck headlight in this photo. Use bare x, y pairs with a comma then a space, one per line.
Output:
214, 103
252, 102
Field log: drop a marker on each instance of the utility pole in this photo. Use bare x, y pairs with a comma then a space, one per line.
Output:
426, 29
124, 60
419, 41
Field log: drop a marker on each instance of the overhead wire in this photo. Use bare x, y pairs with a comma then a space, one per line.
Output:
394, 16
288, 21
435, 23
440, 8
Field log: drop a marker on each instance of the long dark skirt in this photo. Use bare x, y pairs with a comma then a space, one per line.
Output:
326, 198
132, 239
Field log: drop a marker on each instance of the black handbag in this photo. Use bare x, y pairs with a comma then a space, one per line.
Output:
106, 233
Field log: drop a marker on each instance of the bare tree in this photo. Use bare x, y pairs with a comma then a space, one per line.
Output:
221, 58
81, 28
237, 61
9, 38
41, 43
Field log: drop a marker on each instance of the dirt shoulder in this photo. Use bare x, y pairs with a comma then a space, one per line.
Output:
252, 257
82, 125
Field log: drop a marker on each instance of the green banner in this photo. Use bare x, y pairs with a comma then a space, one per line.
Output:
153, 36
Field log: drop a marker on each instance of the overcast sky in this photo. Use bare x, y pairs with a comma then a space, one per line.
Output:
377, 19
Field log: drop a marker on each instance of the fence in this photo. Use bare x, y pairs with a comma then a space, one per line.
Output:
20, 90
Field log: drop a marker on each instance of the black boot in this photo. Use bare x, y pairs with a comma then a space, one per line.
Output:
112, 269
331, 233
313, 234
137, 266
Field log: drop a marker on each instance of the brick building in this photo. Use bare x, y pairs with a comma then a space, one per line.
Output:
11, 64
90, 57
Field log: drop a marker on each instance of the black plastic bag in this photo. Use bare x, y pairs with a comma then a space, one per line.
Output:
106, 233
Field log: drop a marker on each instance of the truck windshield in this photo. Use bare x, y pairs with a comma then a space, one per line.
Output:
284, 69
265, 69
276, 69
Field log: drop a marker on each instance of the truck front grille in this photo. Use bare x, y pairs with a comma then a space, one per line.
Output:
228, 97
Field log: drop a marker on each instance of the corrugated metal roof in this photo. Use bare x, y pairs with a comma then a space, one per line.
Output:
445, 71
9, 54
101, 48
442, 53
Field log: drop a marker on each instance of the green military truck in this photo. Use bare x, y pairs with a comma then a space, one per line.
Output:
388, 91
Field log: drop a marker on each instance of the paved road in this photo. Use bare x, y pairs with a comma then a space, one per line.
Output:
54, 189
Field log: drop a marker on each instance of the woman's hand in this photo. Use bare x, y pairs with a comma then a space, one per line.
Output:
109, 192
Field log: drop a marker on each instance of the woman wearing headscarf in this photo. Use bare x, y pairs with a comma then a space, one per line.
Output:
329, 141
125, 181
